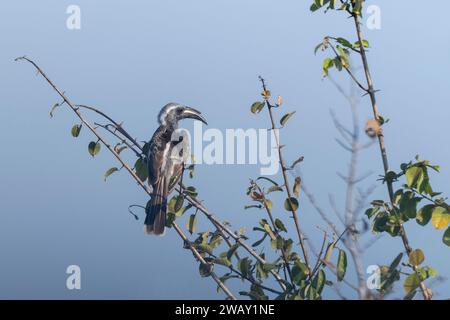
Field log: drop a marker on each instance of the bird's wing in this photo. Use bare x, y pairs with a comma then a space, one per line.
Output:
157, 154
179, 148
177, 172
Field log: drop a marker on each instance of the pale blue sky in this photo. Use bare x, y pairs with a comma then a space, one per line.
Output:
132, 57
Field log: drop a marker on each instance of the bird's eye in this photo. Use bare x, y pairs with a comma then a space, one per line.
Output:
179, 111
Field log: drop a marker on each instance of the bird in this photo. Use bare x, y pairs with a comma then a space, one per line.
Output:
164, 165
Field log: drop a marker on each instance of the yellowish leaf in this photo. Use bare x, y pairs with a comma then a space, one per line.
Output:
297, 186
279, 101
440, 218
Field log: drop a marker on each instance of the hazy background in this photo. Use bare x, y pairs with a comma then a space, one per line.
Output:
132, 57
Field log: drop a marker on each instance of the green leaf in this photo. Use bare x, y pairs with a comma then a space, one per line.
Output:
446, 237
414, 177
257, 107
76, 130
416, 257
327, 64
440, 218
426, 272
244, 266
299, 272
178, 203
268, 179
357, 6
258, 206
396, 262
286, 117
192, 223
94, 148
269, 231
110, 171
232, 250
319, 281
205, 270
408, 204
277, 243
310, 293
223, 261
314, 7
344, 42
170, 219
175, 205
424, 214
338, 63
341, 265
319, 46
372, 212
257, 243
140, 167
318, 4
215, 241
329, 251
287, 204
410, 295
365, 44
191, 191
280, 226
56, 105
411, 283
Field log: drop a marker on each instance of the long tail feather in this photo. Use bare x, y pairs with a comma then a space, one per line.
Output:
156, 210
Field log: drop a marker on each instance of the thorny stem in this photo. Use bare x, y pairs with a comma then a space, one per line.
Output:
283, 251
349, 71
130, 170
425, 291
286, 181
123, 141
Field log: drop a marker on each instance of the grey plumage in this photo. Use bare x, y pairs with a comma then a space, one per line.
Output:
165, 164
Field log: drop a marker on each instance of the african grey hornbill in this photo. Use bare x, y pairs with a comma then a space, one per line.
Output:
165, 162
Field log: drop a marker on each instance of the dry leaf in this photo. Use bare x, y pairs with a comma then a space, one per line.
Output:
297, 186
279, 101
373, 128
266, 94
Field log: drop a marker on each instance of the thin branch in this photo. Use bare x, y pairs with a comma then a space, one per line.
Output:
284, 255
286, 181
122, 140
349, 71
118, 126
425, 292
319, 210
318, 262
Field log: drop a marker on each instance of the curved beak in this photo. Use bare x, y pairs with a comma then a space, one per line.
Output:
192, 113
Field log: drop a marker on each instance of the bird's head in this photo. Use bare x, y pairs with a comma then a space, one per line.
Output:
171, 113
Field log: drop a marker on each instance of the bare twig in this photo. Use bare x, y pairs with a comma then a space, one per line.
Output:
284, 170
